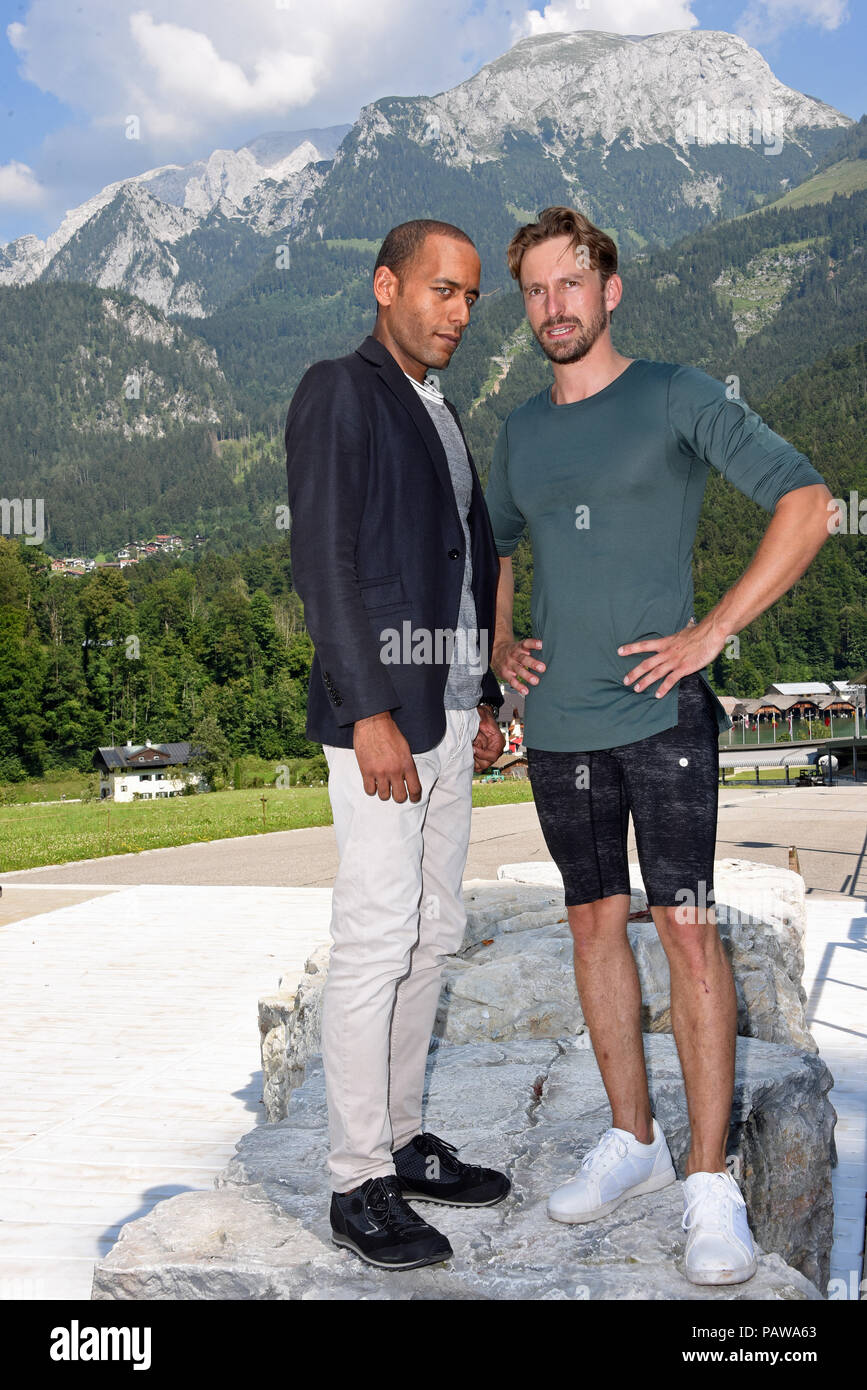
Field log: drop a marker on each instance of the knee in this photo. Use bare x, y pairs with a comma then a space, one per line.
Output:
442, 929
361, 964
691, 946
592, 927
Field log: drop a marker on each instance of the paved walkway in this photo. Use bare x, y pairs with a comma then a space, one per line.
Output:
835, 978
130, 1059
131, 1063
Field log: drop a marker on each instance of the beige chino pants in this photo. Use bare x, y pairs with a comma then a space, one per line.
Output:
397, 912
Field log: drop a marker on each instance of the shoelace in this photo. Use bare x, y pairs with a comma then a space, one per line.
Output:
445, 1152
712, 1202
610, 1149
385, 1200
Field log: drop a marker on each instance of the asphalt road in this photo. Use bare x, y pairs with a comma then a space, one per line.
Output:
827, 825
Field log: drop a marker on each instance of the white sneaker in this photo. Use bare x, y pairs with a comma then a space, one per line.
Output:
616, 1168
719, 1247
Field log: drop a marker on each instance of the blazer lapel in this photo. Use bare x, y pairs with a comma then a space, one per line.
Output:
394, 378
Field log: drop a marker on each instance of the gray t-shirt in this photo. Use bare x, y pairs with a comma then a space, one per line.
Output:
468, 664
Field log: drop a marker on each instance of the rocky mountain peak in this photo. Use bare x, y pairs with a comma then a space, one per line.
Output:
592, 85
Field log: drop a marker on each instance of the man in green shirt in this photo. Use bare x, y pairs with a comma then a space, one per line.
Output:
607, 469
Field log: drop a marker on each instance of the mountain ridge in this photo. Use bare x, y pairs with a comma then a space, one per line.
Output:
610, 86
234, 181
575, 115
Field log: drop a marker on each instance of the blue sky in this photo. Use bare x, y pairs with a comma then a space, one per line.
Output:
210, 73
825, 63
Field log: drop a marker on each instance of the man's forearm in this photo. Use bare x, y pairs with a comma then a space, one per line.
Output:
795, 535
514, 662
504, 623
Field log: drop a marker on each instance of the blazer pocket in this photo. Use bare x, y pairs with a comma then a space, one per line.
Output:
384, 592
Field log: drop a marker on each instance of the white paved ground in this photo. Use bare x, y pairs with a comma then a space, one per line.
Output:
835, 978
130, 1058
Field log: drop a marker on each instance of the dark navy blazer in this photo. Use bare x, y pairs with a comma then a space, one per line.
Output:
376, 542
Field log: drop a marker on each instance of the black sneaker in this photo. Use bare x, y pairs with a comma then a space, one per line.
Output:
375, 1221
430, 1172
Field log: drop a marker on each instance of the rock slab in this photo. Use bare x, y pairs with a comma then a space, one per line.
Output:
531, 1107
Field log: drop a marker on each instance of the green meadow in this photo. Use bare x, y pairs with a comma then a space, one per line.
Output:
35, 833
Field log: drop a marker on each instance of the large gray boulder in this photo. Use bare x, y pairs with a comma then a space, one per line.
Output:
514, 977
531, 1107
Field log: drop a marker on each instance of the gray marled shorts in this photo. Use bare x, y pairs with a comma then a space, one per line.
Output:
668, 782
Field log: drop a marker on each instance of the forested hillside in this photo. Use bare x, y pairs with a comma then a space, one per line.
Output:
125, 426
168, 650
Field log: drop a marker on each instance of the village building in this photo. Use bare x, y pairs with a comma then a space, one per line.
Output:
145, 770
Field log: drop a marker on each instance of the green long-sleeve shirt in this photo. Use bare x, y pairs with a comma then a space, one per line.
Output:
611, 489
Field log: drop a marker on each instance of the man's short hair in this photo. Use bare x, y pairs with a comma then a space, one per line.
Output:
404, 242
558, 221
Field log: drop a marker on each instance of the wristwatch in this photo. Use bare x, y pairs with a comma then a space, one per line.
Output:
495, 714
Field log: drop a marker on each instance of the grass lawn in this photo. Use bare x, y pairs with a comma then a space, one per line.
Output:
501, 793
50, 787
847, 177
32, 834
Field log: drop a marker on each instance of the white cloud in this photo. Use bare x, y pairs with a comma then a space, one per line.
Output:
19, 186
200, 72
609, 16
200, 75
190, 78
765, 20
205, 74
188, 68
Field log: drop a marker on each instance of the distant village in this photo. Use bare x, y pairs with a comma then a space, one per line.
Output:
129, 555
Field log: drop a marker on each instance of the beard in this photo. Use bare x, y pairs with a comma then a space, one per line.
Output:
574, 348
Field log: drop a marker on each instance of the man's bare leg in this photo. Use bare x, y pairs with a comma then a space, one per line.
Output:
610, 994
704, 1021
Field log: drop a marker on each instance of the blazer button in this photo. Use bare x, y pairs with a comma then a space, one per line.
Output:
454, 554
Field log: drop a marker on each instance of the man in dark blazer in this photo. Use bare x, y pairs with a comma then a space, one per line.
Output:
394, 558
